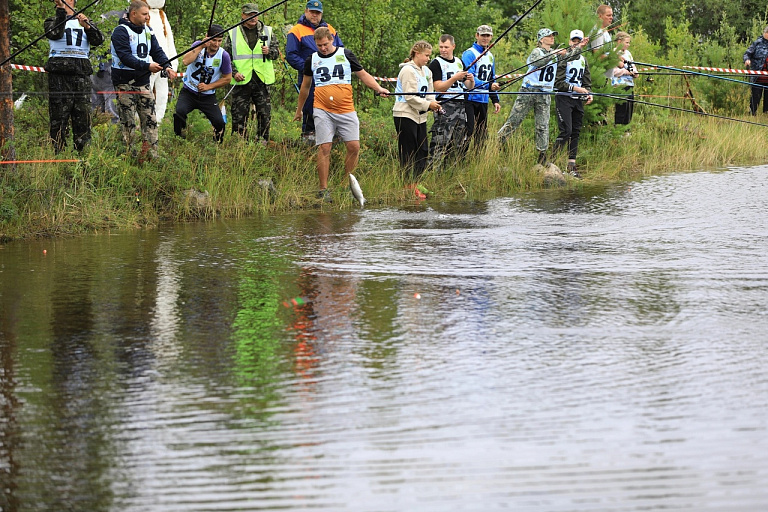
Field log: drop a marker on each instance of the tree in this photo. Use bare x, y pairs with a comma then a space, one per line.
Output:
6, 86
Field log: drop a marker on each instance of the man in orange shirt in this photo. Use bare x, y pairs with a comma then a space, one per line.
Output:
330, 69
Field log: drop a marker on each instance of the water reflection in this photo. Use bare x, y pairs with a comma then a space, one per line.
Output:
592, 349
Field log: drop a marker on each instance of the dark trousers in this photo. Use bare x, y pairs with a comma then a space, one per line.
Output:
477, 121
625, 109
758, 90
570, 116
412, 146
205, 103
307, 111
69, 101
256, 92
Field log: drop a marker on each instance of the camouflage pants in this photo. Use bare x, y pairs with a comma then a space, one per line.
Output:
523, 104
70, 101
256, 92
138, 100
449, 132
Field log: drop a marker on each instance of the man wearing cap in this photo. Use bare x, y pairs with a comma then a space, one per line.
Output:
572, 77
208, 68
299, 46
135, 55
480, 63
253, 50
538, 82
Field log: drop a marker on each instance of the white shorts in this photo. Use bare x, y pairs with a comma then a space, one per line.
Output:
347, 126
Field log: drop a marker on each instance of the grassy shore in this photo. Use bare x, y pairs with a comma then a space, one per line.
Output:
195, 178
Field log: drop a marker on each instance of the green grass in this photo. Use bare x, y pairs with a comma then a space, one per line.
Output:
109, 190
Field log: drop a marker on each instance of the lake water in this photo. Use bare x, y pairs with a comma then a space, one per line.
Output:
604, 349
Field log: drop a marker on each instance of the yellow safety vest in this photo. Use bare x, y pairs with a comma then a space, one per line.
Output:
247, 61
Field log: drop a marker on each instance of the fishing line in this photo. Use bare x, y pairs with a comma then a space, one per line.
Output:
44, 34
518, 20
697, 73
37, 161
214, 36
679, 109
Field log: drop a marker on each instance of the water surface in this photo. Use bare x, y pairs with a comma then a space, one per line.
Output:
595, 350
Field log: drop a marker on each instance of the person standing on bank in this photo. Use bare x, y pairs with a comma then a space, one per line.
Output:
134, 48
69, 69
449, 129
208, 68
539, 81
253, 50
572, 77
623, 75
484, 71
299, 46
331, 70
600, 43
410, 113
756, 59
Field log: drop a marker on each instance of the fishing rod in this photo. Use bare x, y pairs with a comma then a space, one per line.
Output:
282, 59
518, 20
89, 22
214, 36
210, 23
507, 83
679, 109
44, 34
697, 73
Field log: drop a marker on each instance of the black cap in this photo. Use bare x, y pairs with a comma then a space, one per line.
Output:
215, 29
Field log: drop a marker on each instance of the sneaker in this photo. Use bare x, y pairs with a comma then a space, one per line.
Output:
418, 193
308, 138
571, 169
324, 196
424, 190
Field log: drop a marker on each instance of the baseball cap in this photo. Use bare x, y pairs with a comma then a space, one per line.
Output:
215, 29
484, 29
250, 9
315, 5
577, 33
544, 33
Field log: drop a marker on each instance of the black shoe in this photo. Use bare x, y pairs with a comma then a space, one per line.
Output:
324, 195
571, 169
542, 160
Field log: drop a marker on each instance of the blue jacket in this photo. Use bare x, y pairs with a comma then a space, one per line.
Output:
140, 72
481, 85
757, 53
300, 43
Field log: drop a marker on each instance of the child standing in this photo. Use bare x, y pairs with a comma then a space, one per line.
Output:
410, 113
624, 76
573, 77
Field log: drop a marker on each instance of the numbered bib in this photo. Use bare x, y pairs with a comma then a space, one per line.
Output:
141, 44
332, 70
74, 43
204, 70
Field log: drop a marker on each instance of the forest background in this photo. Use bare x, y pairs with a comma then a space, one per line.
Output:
104, 189
380, 32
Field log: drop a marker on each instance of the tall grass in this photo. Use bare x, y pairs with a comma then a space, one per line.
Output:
107, 189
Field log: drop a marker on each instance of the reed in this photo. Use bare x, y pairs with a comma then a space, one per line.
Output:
194, 178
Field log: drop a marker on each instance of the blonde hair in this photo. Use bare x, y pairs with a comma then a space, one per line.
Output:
601, 9
620, 36
419, 47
